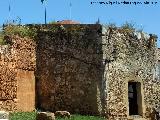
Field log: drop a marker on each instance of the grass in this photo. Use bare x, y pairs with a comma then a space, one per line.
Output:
81, 117
23, 116
32, 116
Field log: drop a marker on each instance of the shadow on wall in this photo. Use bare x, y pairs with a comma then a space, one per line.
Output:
69, 69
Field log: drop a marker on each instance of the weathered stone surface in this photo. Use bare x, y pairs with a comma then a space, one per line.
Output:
45, 116
24, 53
62, 114
69, 69
4, 115
82, 69
96, 69
20, 55
135, 61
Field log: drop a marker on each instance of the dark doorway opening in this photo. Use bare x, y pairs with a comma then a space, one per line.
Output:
133, 89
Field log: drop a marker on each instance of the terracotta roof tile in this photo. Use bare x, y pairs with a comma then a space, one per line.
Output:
67, 22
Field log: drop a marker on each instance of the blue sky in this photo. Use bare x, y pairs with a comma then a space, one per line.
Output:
32, 11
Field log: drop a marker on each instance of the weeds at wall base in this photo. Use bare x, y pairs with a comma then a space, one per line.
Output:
32, 116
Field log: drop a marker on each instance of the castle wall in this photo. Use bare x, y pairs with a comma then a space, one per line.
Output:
8, 86
67, 60
135, 62
80, 68
69, 69
17, 65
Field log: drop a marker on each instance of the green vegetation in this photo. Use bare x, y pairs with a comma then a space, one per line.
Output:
52, 22
128, 26
22, 31
80, 117
32, 116
23, 116
31, 31
131, 27
2, 42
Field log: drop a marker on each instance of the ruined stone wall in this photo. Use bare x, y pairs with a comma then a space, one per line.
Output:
69, 70
79, 68
16, 57
7, 78
134, 61
86, 69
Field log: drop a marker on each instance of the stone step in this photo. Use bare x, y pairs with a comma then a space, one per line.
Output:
136, 117
139, 119
4, 115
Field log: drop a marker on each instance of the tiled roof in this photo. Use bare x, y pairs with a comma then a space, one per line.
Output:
67, 22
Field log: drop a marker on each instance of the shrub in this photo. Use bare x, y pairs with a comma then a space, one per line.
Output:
22, 31
128, 26
112, 25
